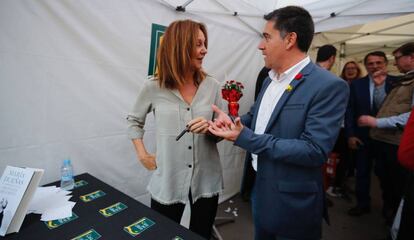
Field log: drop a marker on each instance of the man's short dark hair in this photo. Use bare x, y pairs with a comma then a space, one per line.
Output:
376, 53
405, 49
294, 19
325, 52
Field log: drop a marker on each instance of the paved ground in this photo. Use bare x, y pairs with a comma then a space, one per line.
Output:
343, 227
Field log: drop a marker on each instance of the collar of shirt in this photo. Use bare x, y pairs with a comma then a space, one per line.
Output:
291, 72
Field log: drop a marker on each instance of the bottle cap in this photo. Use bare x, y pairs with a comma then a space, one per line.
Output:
66, 161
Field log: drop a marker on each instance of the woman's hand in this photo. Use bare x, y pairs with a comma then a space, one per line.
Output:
198, 125
148, 161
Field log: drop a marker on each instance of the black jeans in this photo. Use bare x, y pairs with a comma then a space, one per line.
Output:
203, 213
392, 177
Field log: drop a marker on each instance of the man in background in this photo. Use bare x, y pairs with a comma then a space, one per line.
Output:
386, 129
326, 56
366, 97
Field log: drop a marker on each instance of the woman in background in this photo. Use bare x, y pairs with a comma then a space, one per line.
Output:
187, 170
351, 71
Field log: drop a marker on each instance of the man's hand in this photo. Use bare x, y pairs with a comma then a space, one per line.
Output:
379, 77
227, 131
198, 125
222, 118
148, 160
367, 121
354, 143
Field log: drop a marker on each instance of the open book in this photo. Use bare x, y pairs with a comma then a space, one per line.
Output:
17, 186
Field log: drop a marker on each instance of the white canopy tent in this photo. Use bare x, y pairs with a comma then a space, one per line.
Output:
70, 72
355, 27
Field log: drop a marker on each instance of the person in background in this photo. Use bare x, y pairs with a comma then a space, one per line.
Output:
386, 129
366, 98
325, 57
345, 166
263, 74
289, 130
406, 148
187, 170
406, 158
351, 71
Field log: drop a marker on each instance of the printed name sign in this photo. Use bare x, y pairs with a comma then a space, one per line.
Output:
80, 183
92, 196
89, 235
59, 222
113, 209
139, 226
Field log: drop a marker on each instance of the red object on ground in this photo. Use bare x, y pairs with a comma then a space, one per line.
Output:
329, 169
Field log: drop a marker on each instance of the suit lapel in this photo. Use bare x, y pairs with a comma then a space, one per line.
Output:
286, 94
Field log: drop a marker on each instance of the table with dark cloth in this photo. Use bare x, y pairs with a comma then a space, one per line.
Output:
107, 227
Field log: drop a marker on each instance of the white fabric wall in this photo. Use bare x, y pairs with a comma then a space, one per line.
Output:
69, 74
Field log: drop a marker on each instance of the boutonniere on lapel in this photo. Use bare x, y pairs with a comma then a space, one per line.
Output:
298, 76
289, 88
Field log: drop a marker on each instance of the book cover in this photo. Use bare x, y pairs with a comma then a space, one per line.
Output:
17, 186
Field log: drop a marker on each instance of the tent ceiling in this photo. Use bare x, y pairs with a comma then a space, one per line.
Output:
327, 14
385, 35
362, 25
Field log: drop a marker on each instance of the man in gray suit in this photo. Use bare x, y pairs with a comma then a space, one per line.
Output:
289, 130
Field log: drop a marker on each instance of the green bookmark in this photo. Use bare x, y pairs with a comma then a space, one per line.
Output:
139, 226
89, 235
59, 222
80, 183
92, 196
113, 209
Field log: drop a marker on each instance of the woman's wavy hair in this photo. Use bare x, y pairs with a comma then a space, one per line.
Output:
175, 53
359, 72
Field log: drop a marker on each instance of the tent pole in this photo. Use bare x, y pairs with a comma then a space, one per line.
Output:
367, 34
241, 20
187, 3
196, 10
334, 14
342, 56
373, 34
382, 48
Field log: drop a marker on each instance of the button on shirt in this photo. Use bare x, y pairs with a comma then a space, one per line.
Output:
272, 96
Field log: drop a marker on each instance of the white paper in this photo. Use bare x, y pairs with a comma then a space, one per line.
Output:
52, 202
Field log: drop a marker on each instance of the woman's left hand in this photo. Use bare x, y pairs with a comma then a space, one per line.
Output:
198, 125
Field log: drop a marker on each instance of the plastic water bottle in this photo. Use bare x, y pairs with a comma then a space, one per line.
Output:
67, 182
